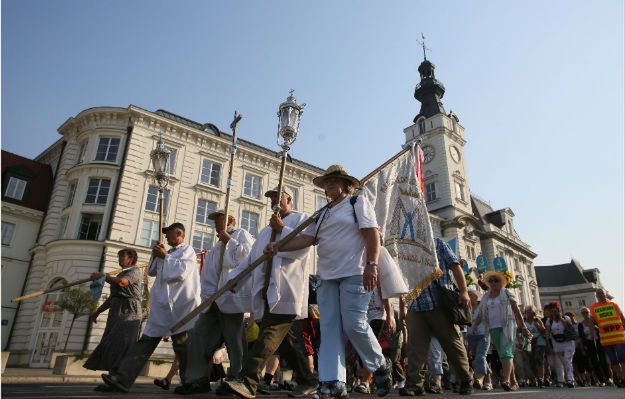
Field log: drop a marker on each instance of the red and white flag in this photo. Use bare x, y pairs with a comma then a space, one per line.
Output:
419, 159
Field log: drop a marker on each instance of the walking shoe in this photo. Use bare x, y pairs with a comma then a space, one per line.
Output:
192, 387
570, 384
239, 388
333, 389
466, 388
433, 388
487, 387
363, 387
540, 383
415, 391
302, 391
113, 381
400, 384
104, 388
477, 384
382, 380
163, 383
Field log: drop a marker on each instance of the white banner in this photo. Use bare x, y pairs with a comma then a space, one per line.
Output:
404, 222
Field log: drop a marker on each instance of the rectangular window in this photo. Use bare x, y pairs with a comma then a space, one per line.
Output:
7, 233
249, 222
320, 202
70, 194
202, 241
251, 186
568, 304
582, 302
430, 191
294, 196
15, 188
211, 173
459, 191
204, 208
63, 229
98, 191
107, 149
151, 202
81, 153
149, 233
90, 227
171, 163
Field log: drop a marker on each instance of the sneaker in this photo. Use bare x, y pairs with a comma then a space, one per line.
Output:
487, 387
239, 388
570, 384
333, 389
192, 387
416, 391
382, 379
302, 391
363, 387
465, 388
114, 382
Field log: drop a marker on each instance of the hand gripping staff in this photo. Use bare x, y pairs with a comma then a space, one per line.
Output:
232, 283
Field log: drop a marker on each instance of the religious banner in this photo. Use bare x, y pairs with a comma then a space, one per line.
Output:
397, 198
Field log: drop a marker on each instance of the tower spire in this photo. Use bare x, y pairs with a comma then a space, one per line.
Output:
429, 91
422, 43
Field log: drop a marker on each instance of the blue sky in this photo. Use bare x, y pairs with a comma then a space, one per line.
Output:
537, 85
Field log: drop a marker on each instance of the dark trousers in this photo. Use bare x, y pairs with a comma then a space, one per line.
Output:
422, 326
135, 359
276, 335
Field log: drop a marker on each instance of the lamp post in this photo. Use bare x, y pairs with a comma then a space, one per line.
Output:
160, 158
289, 114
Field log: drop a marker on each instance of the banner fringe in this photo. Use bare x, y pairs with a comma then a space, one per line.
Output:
415, 292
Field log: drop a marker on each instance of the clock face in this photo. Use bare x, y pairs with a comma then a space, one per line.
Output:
428, 153
455, 153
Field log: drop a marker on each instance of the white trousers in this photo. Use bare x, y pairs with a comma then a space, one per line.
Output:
563, 364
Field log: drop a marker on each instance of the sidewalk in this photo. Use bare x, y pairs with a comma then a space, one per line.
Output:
34, 376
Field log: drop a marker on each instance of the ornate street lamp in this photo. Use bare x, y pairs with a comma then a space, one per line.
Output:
289, 114
160, 157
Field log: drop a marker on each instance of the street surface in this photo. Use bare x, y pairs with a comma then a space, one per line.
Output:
54, 391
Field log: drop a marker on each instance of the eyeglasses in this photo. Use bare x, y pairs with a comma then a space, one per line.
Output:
493, 280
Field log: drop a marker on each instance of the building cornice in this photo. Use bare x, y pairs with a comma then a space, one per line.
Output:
21, 211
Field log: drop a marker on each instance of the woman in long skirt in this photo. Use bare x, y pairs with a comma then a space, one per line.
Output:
124, 318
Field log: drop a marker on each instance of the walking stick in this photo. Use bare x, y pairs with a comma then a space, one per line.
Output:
73, 283
245, 272
233, 151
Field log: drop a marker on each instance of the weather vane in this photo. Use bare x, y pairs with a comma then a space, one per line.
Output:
422, 43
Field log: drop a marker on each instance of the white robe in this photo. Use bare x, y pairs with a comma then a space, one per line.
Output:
175, 293
237, 249
288, 287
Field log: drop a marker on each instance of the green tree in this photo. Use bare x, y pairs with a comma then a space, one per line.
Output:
78, 302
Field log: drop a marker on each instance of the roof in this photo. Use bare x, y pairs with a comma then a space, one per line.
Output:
560, 275
480, 207
208, 127
37, 175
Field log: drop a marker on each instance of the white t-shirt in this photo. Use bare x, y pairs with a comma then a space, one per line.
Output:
495, 310
341, 247
557, 327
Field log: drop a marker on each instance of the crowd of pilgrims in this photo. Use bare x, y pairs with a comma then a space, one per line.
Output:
333, 330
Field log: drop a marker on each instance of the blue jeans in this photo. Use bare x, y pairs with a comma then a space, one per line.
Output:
343, 307
478, 346
436, 357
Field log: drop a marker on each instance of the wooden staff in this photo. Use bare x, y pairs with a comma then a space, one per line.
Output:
73, 283
245, 272
229, 184
276, 210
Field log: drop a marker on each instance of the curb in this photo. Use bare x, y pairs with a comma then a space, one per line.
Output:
57, 380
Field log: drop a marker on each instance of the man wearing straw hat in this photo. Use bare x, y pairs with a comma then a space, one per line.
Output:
348, 242
277, 302
176, 291
223, 321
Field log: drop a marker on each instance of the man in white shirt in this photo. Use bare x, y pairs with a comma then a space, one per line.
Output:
277, 302
223, 321
176, 292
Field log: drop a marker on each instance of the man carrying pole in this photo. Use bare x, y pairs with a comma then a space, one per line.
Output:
223, 321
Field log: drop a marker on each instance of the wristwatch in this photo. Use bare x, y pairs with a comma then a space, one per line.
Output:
371, 263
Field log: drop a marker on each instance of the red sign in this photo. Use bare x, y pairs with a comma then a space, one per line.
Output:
49, 306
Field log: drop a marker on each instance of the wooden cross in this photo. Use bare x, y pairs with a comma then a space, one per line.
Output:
422, 43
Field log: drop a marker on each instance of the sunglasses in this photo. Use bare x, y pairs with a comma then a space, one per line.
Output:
493, 280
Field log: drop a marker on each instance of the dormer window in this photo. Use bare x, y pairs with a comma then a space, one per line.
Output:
15, 189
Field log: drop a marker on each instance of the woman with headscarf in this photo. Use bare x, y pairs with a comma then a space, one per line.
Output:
124, 317
348, 243
498, 311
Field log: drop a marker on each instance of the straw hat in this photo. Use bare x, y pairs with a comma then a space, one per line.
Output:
336, 171
501, 276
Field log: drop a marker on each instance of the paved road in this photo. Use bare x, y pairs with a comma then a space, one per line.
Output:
58, 391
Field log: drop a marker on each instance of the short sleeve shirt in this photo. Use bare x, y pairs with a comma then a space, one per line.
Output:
429, 300
134, 289
340, 244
